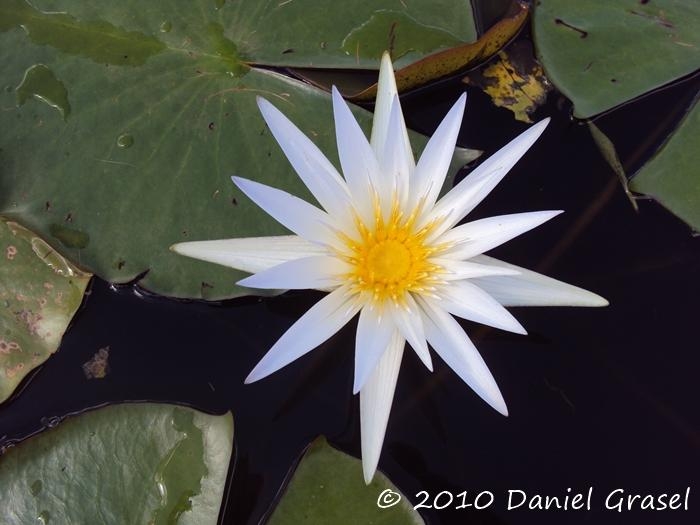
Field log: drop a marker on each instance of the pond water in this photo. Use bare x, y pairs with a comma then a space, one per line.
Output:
603, 398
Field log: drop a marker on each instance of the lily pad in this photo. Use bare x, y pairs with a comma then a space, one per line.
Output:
328, 487
601, 54
350, 34
671, 176
140, 463
125, 142
39, 293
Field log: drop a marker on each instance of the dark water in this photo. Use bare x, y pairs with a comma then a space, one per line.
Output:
603, 398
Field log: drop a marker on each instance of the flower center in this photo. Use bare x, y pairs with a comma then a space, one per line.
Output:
390, 259
388, 262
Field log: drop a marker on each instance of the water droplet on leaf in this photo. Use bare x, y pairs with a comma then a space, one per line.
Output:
166, 27
50, 422
40, 83
35, 487
125, 140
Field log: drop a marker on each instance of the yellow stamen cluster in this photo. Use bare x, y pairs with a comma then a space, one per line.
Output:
391, 258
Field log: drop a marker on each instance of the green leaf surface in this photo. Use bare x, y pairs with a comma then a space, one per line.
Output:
672, 175
396, 32
136, 116
328, 487
39, 293
601, 54
135, 463
350, 34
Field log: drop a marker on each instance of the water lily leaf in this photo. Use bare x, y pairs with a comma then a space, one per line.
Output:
455, 59
671, 176
601, 54
351, 34
39, 293
397, 33
136, 463
121, 125
328, 487
514, 80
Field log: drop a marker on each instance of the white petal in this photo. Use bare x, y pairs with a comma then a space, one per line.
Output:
468, 301
476, 237
434, 162
322, 320
357, 159
529, 288
375, 405
381, 130
290, 211
374, 332
250, 254
410, 325
457, 270
455, 348
464, 197
317, 172
316, 272
396, 164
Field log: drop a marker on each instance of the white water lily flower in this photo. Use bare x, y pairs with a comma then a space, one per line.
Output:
384, 246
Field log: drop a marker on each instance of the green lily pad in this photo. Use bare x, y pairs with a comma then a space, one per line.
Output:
328, 487
601, 54
139, 463
39, 293
350, 34
136, 116
671, 176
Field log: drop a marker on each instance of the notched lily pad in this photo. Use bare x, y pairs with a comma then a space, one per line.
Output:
328, 487
39, 293
133, 463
